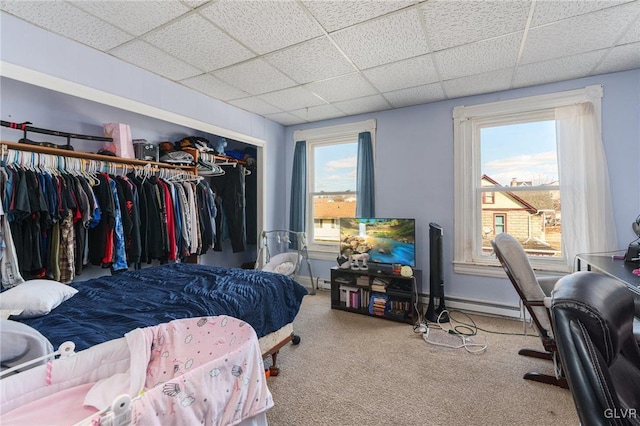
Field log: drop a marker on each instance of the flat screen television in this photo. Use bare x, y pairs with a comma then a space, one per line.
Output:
386, 240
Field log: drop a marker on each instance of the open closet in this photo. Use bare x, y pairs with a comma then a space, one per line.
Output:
223, 245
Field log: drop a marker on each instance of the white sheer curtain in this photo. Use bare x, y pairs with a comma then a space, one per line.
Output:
587, 212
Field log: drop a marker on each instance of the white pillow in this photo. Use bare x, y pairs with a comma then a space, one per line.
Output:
36, 297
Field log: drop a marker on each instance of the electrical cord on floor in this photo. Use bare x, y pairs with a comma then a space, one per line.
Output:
465, 332
475, 327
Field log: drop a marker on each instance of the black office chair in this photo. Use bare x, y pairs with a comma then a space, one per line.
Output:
593, 327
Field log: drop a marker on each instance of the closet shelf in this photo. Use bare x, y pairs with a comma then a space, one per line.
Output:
87, 155
25, 128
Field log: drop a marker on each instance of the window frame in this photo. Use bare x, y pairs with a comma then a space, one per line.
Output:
327, 136
467, 121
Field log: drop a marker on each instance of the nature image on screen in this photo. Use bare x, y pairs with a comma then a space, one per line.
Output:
385, 240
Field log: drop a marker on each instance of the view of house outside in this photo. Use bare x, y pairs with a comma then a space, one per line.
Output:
515, 159
333, 188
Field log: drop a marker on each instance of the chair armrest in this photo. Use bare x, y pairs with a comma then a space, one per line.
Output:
547, 283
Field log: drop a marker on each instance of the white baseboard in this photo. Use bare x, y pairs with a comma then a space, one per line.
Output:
467, 305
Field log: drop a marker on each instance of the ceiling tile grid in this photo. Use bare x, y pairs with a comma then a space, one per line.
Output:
480, 57
68, 21
383, 40
155, 60
263, 26
335, 15
313, 60
255, 77
209, 49
557, 69
362, 105
255, 105
295, 61
453, 23
577, 35
402, 74
415, 95
341, 88
213, 87
292, 98
135, 17
494, 81
318, 112
621, 58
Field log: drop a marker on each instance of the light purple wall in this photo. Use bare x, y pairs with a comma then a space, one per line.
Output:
414, 170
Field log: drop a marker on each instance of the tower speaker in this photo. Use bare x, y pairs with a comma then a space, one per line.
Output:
436, 275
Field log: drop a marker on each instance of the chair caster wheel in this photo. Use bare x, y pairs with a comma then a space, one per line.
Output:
295, 340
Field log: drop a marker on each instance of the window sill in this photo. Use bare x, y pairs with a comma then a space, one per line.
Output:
323, 254
496, 270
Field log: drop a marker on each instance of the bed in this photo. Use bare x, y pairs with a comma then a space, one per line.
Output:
101, 311
106, 308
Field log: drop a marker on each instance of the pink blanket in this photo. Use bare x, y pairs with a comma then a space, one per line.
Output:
205, 371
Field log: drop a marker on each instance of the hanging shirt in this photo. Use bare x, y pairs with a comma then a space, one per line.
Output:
120, 256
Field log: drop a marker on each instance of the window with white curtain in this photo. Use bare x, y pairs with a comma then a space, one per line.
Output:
522, 166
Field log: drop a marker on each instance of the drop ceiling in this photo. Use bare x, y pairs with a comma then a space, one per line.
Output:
303, 61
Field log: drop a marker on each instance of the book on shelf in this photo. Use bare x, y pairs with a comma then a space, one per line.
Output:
350, 296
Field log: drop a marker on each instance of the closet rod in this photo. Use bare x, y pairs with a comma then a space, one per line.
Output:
26, 128
86, 155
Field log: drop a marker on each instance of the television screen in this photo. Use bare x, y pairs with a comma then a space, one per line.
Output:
386, 240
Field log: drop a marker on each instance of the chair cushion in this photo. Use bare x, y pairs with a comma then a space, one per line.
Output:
517, 263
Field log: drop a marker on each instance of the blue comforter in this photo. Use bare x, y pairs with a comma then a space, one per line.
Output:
106, 308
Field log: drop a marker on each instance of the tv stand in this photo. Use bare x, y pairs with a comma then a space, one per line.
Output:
375, 292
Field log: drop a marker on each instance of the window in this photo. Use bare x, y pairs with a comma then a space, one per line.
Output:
332, 154
499, 224
508, 174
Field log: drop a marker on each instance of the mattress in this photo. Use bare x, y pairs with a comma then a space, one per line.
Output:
106, 308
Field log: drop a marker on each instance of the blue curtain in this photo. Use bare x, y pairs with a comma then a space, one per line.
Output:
298, 187
366, 203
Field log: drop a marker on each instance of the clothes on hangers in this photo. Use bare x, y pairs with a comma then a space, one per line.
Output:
55, 224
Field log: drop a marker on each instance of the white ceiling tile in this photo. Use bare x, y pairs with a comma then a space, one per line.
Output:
148, 57
494, 81
292, 98
476, 58
255, 76
255, 105
317, 113
387, 39
313, 60
194, 3
557, 69
209, 50
621, 58
400, 75
632, 35
453, 23
211, 86
136, 17
68, 21
285, 118
580, 34
552, 11
363, 105
415, 95
263, 26
342, 88
334, 15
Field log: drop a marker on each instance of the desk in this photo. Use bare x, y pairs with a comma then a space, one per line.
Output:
618, 269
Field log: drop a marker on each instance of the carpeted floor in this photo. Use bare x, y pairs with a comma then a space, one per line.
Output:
352, 369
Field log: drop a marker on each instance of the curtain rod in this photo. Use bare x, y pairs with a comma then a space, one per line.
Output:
26, 128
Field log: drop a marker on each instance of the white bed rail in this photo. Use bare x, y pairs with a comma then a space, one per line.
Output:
65, 350
118, 414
